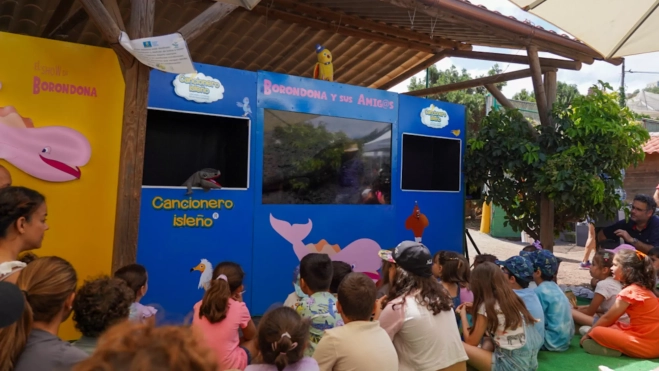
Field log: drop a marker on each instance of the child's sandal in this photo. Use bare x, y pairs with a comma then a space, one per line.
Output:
592, 347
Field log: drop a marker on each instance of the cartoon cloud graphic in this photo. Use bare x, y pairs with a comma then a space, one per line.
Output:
52, 153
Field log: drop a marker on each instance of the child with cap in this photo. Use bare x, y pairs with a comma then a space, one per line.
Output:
519, 273
360, 344
559, 326
417, 313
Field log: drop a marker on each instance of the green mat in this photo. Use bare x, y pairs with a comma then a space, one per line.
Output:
576, 358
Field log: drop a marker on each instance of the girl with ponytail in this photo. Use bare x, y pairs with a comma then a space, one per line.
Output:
640, 337
49, 286
220, 315
282, 339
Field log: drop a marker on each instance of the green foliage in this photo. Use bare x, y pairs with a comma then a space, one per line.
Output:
565, 94
654, 89
312, 154
518, 162
473, 99
525, 96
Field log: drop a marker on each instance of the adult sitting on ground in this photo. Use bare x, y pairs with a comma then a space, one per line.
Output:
642, 229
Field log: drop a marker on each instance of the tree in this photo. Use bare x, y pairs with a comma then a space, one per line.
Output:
473, 98
565, 94
567, 162
524, 96
654, 90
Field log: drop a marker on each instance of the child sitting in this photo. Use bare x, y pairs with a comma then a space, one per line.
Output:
482, 258
99, 304
281, 339
339, 271
606, 290
417, 312
453, 272
320, 306
137, 280
221, 313
559, 327
639, 338
297, 293
360, 344
519, 273
654, 256
500, 314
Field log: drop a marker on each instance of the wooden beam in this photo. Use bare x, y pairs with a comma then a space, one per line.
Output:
508, 76
547, 209
343, 30
115, 13
109, 29
59, 15
551, 88
339, 18
484, 21
519, 59
498, 95
78, 17
133, 135
413, 71
538, 87
205, 20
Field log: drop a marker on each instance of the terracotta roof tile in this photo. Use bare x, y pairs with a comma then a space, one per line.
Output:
652, 146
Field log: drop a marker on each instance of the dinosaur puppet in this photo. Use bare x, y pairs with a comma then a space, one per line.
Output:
204, 178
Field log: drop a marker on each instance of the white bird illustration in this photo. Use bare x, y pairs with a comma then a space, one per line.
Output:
206, 269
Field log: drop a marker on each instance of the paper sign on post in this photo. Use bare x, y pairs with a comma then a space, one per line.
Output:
168, 53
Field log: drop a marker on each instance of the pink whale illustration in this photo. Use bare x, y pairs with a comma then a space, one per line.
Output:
51, 153
361, 254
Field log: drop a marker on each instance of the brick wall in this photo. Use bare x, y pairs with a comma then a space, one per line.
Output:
644, 178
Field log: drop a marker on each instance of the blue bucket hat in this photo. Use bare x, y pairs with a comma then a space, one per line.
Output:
519, 267
542, 260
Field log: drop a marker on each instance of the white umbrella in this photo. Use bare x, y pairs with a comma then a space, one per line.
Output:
615, 28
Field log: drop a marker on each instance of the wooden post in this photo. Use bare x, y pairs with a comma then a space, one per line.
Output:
546, 205
133, 137
133, 134
498, 95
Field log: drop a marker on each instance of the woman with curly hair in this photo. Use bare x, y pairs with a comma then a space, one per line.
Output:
141, 346
417, 313
99, 304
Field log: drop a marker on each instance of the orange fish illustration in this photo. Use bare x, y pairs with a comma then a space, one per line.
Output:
417, 222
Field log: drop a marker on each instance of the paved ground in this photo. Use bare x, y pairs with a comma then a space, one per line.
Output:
571, 255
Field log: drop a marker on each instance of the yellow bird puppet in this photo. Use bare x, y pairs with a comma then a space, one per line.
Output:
324, 69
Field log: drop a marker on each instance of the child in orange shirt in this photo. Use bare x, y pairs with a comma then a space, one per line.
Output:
639, 338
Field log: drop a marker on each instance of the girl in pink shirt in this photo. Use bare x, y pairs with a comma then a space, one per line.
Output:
221, 313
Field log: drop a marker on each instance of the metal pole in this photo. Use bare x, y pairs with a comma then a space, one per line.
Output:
622, 86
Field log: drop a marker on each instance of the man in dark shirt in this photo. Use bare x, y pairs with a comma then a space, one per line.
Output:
641, 231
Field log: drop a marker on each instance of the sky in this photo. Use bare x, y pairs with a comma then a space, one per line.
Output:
586, 77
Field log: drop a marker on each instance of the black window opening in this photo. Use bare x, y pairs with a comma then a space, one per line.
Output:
314, 159
178, 144
431, 163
